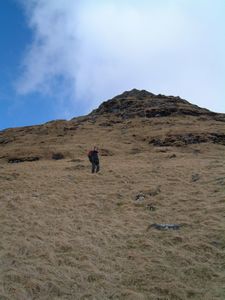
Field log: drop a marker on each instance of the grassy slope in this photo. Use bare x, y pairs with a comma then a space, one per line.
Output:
68, 234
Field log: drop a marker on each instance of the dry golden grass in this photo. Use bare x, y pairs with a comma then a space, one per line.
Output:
70, 234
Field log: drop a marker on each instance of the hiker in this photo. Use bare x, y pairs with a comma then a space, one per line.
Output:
93, 158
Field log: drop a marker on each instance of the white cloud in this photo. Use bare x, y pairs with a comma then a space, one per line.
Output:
89, 51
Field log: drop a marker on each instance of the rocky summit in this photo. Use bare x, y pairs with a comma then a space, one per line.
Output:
149, 225
136, 103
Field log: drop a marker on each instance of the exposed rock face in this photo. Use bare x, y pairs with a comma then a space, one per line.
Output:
5, 141
14, 160
136, 103
187, 139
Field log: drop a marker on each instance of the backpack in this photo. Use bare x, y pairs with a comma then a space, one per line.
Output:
90, 155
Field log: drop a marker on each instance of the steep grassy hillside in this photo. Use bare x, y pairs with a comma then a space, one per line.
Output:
70, 234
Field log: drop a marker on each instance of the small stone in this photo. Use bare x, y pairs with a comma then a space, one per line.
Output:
195, 177
140, 197
150, 207
57, 156
164, 226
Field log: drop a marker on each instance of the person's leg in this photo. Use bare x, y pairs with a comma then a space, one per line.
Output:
97, 168
93, 168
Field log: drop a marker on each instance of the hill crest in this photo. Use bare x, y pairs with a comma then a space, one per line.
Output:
141, 103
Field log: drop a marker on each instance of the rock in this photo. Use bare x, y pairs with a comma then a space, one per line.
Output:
195, 177
219, 117
14, 160
172, 156
151, 207
140, 198
57, 156
217, 244
179, 140
5, 140
220, 181
165, 226
217, 138
144, 104
119, 196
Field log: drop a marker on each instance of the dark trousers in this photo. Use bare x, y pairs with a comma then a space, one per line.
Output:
95, 167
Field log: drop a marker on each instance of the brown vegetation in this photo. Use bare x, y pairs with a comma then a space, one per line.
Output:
70, 234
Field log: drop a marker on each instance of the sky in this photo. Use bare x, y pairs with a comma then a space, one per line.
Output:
62, 58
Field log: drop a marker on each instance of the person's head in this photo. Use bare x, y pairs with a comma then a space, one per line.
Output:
95, 148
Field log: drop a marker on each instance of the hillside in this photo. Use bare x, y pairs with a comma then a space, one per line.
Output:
70, 234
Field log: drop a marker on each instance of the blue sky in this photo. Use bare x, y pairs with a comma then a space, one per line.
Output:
15, 38
62, 58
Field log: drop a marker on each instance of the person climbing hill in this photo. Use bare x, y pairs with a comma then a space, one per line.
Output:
94, 159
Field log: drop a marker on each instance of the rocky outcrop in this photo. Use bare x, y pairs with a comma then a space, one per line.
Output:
136, 103
188, 138
4, 141
14, 160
